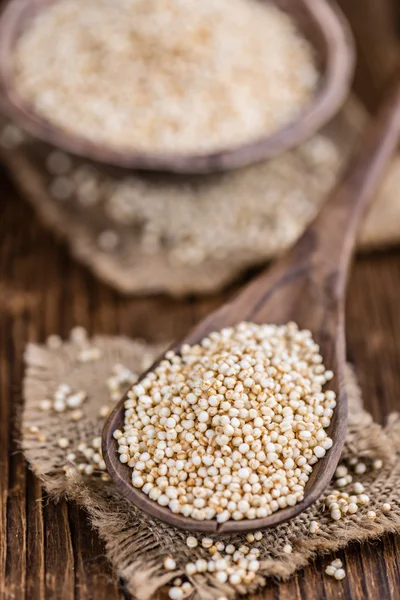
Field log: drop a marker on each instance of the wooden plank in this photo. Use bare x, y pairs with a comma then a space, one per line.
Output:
15, 580
59, 565
94, 576
35, 580
4, 437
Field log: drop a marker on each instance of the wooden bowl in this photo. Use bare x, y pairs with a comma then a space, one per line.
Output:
319, 21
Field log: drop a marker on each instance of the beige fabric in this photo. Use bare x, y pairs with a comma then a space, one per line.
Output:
181, 235
137, 544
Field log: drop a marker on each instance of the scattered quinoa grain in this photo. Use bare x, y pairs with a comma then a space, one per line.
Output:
76, 415
175, 593
386, 507
54, 342
45, 405
363, 499
341, 471
360, 468
63, 442
353, 508
221, 576
287, 549
314, 527
339, 574
108, 240
337, 563
190, 569
169, 563
58, 163
336, 514
191, 542
371, 515
358, 487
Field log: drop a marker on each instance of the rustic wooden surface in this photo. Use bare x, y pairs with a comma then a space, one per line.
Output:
48, 551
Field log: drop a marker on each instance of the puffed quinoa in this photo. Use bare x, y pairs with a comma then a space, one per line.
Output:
190, 569
287, 549
201, 61
339, 574
386, 507
363, 499
191, 542
186, 588
63, 442
358, 487
341, 471
314, 527
352, 508
45, 405
169, 563
175, 593
371, 515
196, 424
337, 563
360, 468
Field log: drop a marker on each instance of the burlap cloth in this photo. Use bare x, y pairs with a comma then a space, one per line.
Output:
147, 233
137, 544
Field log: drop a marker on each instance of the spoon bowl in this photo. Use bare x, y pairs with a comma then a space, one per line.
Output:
306, 286
319, 21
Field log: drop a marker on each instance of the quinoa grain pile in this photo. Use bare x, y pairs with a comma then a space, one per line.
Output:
231, 427
160, 75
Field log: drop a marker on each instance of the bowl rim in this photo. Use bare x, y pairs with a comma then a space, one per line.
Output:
334, 88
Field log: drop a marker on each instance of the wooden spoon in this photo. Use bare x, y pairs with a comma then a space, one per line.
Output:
321, 23
306, 286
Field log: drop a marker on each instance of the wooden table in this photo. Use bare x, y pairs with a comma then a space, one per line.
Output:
48, 551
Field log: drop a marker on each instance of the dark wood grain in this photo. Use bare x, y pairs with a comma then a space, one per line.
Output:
94, 577
376, 26
59, 557
307, 286
320, 21
35, 559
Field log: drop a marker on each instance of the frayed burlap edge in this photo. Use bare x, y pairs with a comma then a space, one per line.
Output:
130, 270
136, 543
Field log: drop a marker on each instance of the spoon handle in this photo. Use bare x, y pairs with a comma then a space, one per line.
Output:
331, 238
308, 283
